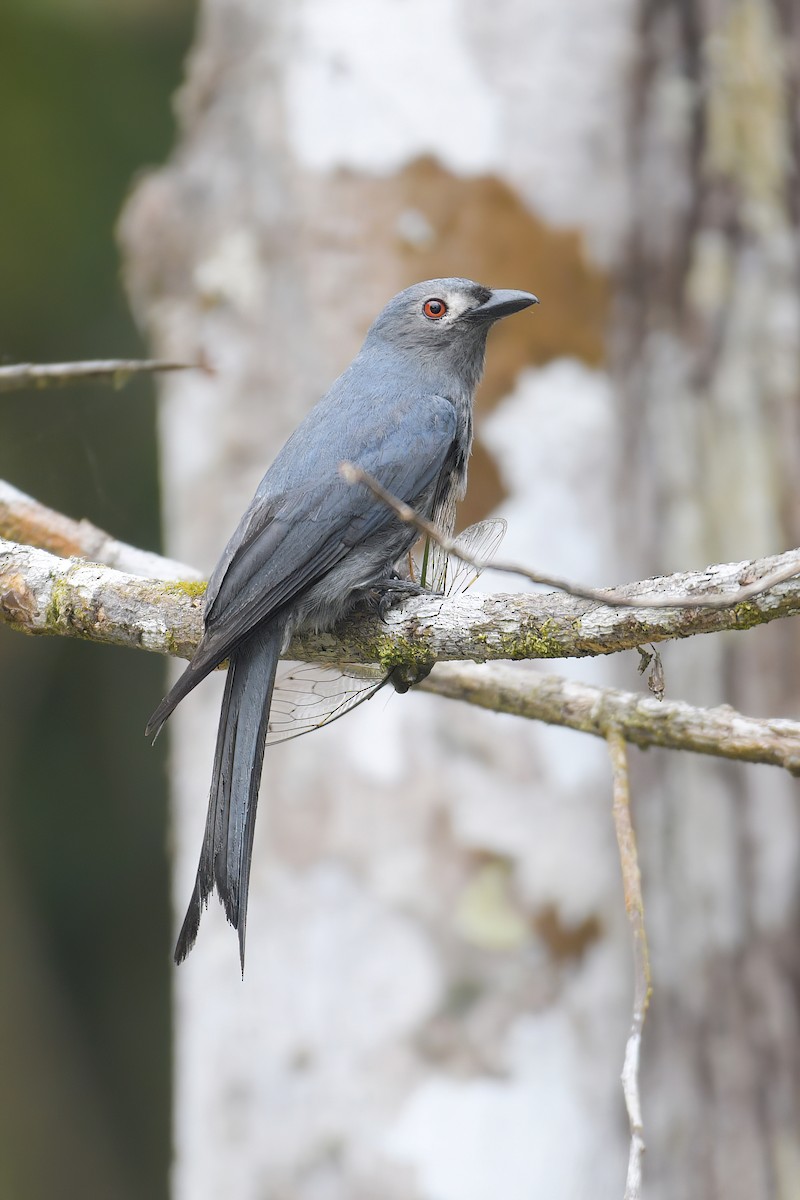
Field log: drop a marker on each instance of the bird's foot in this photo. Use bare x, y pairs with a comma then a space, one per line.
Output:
384, 595
380, 598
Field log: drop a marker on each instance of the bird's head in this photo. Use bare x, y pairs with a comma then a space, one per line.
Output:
445, 319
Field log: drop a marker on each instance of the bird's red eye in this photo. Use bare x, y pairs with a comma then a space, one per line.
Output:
434, 309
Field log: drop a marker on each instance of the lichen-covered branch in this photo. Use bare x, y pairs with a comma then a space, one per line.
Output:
25, 520
642, 720
40, 593
43, 594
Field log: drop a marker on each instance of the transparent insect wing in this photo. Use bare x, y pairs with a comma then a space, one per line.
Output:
308, 696
451, 575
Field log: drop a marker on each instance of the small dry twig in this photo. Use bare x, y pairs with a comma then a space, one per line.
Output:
632, 884
746, 590
112, 370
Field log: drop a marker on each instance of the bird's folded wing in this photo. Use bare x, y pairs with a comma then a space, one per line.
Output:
292, 540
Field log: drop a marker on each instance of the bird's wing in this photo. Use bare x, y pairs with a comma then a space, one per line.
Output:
289, 542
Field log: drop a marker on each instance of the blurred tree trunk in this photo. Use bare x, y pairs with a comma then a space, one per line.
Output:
706, 358
438, 980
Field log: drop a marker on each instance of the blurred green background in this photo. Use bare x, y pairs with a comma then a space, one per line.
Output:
85, 89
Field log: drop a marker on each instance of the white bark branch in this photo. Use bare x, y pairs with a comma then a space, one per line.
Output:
40, 593
642, 720
25, 520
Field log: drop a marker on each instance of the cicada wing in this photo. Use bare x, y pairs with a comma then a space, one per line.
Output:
308, 696
450, 575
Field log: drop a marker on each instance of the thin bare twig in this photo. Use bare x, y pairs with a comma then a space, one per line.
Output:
112, 370
746, 589
632, 884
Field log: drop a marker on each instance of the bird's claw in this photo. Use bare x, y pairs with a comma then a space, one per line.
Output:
384, 596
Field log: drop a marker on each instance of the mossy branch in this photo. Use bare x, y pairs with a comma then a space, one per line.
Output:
642, 720
41, 593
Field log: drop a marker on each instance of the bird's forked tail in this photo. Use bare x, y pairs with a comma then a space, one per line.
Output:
228, 838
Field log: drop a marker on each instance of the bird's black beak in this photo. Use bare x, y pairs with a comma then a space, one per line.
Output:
502, 303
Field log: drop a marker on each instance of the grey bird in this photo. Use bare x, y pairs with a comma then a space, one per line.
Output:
310, 546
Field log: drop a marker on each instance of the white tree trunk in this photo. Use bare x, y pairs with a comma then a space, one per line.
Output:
438, 980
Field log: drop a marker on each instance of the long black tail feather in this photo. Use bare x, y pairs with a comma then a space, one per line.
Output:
230, 823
